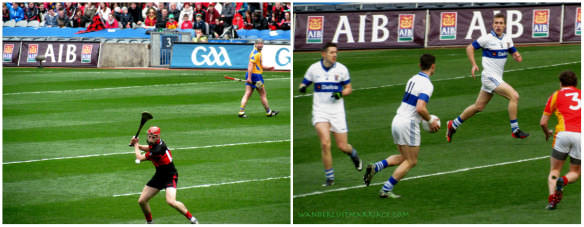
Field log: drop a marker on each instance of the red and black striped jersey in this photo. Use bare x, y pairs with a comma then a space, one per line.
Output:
161, 157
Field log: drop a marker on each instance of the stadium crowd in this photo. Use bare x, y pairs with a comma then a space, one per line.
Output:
216, 20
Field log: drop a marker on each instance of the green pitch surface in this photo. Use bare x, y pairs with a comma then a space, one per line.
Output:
483, 176
231, 170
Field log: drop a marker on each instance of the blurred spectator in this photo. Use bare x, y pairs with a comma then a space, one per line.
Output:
103, 11
32, 12
159, 9
150, 21
173, 10
186, 23
5, 13
111, 22
146, 8
187, 10
199, 10
272, 22
253, 7
171, 24
258, 21
200, 37
136, 14
77, 20
117, 12
212, 14
228, 13
58, 6
51, 18
200, 24
278, 11
16, 12
241, 7
161, 21
218, 29
70, 9
88, 14
42, 12
285, 23
126, 19
62, 19
247, 20
237, 22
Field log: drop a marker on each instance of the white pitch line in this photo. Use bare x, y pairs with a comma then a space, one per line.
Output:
421, 176
126, 87
454, 78
178, 148
211, 185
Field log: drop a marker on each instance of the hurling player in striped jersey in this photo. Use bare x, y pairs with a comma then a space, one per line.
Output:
496, 47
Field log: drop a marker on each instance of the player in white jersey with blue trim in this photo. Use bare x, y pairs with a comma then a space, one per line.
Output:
496, 46
405, 127
331, 82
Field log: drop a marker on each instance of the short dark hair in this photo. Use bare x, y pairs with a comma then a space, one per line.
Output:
568, 78
426, 61
327, 45
500, 15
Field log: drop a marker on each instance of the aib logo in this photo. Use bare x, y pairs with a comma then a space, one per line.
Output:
210, 56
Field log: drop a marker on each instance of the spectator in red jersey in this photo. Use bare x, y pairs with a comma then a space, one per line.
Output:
70, 9
199, 10
237, 21
186, 10
150, 21
171, 23
247, 20
212, 14
272, 22
166, 176
186, 23
77, 20
111, 22
285, 23
278, 11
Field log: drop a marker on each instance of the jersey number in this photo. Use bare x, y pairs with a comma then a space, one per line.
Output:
575, 99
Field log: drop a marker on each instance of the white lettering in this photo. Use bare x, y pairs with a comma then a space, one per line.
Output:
476, 23
71, 56
362, 22
514, 20
50, 53
344, 27
379, 26
60, 53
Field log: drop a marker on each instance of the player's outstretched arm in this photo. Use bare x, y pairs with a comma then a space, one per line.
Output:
517, 56
544, 126
347, 89
470, 54
268, 68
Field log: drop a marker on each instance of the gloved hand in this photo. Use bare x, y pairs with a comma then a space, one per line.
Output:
337, 95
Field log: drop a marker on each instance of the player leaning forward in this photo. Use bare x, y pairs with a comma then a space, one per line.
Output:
331, 82
166, 175
496, 46
566, 105
405, 127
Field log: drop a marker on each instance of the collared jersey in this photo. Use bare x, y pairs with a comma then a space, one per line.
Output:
495, 51
256, 58
326, 81
565, 104
418, 87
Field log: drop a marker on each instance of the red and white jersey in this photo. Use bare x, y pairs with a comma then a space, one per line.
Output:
565, 104
159, 154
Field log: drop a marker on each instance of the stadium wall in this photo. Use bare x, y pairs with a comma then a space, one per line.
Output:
60, 54
434, 27
124, 55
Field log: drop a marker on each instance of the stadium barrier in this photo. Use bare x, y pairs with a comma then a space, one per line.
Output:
61, 54
434, 27
124, 55
210, 55
279, 56
161, 46
10, 53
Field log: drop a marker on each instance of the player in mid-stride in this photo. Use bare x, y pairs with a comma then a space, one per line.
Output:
331, 82
405, 128
165, 177
254, 80
496, 46
566, 105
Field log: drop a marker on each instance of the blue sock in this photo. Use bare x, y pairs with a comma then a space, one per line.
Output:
514, 125
353, 153
457, 122
388, 186
330, 174
268, 110
380, 165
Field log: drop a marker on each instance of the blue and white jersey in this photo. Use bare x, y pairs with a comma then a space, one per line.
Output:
418, 87
326, 81
495, 51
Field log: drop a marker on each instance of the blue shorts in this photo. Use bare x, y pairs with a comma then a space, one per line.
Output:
254, 78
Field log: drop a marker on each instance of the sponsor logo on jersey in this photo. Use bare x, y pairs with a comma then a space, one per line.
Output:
7, 54
314, 29
541, 23
448, 25
86, 53
406, 28
33, 51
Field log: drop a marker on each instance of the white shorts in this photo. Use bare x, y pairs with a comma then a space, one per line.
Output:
490, 82
405, 131
337, 121
568, 143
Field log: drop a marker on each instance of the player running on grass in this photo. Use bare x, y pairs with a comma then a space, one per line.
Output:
254, 80
405, 128
331, 82
496, 46
566, 104
166, 176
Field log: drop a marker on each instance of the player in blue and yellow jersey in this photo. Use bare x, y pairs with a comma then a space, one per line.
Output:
254, 80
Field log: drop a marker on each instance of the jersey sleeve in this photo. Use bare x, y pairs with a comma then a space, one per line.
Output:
254, 57
512, 48
550, 107
426, 92
346, 77
480, 42
308, 78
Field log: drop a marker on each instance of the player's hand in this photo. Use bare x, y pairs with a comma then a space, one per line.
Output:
434, 126
302, 89
271, 68
337, 95
548, 134
248, 81
134, 141
473, 70
517, 57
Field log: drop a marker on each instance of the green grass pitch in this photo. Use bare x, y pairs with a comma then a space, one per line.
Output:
506, 178
238, 170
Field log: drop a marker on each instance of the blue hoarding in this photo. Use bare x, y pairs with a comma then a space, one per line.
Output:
210, 56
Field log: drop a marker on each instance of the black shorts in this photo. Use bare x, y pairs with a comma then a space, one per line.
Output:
162, 181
